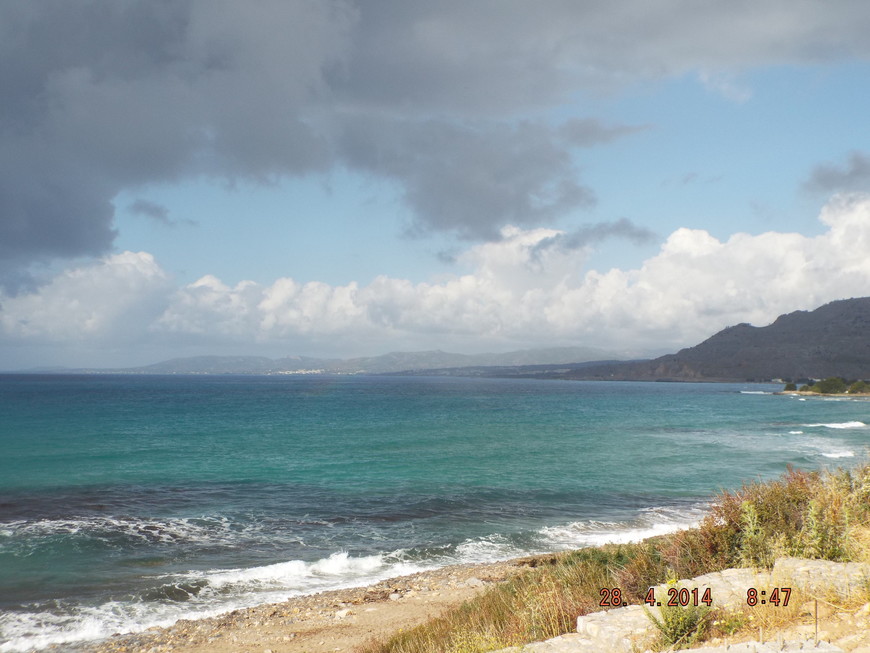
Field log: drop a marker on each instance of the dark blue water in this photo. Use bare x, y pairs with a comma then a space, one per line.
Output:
128, 501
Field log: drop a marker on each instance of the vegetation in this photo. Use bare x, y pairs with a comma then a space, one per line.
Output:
680, 625
805, 514
833, 385
859, 387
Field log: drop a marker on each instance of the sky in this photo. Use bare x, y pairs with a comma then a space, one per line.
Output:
348, 178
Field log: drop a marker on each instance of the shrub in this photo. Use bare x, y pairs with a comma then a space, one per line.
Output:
833, 385
754, 549
859, 387
790, 387
680, 625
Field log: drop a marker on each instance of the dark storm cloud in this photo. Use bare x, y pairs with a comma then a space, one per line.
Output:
100, 96
853, 176
505, 56
470, 179
48, 207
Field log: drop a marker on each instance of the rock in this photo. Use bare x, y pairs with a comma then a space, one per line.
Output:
395, 596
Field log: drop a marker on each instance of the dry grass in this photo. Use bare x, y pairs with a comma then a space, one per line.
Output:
803, 514
765, 622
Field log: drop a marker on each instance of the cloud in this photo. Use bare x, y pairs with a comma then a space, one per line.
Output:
589, 132
157, 213
471, 179
493, 57
115, 299
110, 95
853, 176
152, 210
594, 233
114, 95
529, 288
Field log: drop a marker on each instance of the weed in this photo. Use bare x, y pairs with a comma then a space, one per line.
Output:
754, 550
679, 625
724, 623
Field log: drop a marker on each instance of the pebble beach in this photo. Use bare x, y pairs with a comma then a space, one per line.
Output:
336, 620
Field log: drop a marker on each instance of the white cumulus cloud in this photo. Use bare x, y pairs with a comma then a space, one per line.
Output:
530, 288
115, 298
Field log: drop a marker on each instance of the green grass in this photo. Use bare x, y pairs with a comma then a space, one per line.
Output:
803, 514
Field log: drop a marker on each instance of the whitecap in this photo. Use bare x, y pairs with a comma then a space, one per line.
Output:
211, 530
218, 591
490, 548
839, 425
658, 520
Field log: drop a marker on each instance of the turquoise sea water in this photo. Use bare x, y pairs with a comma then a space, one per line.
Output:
128, 502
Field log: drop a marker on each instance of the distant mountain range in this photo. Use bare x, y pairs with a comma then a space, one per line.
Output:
833, 340
388, 363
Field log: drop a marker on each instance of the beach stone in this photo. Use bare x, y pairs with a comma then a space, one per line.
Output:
629, 629
395, 596
845, 579
769, 647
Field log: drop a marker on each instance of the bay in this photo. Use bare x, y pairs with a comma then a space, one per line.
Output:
132, 501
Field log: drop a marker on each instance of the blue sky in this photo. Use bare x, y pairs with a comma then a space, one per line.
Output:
346, 178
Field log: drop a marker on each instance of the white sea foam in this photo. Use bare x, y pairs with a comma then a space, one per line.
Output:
489, 549
839, 425
26, 631
651, 522
839, 454
298, 577
795, 432
219, 591
215, 530
36, 630
755, 392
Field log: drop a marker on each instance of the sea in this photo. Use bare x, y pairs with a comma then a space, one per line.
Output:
133, 501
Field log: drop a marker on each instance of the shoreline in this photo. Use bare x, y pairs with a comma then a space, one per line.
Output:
333, 620
821, 395
347, 619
